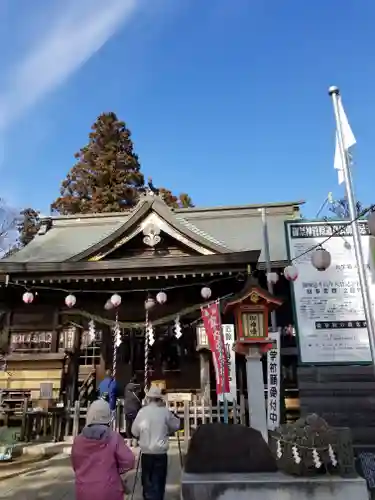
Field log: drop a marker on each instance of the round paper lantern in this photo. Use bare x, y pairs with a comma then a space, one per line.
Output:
149, 303
321, 259
206, 292
115, 300
70, 300
291, 273
272, 277
27, 297
108, 305
371, 223
161, 297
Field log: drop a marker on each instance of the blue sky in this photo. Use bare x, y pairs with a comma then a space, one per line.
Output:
226, 99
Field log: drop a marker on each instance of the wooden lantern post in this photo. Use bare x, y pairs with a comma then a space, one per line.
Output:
251, 308
204, 358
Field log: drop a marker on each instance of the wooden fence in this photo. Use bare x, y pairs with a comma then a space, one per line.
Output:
192, 414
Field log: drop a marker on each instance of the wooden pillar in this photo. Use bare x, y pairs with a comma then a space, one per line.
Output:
55, 332
74, 361
205, 376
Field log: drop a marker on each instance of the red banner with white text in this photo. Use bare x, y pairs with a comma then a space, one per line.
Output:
212, 325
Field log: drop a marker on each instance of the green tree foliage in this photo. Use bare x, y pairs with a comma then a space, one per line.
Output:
107, 176
28, 225
181, 201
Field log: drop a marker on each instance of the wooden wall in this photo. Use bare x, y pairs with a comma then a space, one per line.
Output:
29, 374
342, 395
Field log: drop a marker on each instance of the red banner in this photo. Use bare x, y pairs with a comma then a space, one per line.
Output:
212, 325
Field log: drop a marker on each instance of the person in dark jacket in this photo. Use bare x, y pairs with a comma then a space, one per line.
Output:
132, 404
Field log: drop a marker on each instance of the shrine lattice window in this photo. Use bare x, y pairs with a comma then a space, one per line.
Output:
40, 341
66, 339
90, 348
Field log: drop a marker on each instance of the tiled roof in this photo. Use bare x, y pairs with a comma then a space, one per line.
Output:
223, 229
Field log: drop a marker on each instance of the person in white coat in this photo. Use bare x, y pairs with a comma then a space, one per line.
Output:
152, 426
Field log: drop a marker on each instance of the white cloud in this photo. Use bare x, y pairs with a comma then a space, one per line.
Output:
67, 39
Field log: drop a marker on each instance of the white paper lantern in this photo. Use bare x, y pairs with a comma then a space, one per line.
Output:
108, 305
291, 273
161, 297
27, 297
371, 223
272, 277
321, 259
70, 300
206, 292
115, 300
149, 303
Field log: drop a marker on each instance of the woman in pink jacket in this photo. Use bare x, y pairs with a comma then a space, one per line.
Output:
99, 456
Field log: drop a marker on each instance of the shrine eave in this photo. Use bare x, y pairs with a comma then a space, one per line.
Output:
132, 267
252, 286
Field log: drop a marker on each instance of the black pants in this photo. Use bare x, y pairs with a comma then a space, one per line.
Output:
129, 419
154, 476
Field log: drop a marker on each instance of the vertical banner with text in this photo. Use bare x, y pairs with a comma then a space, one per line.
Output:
212, 325
273, 383
230, 358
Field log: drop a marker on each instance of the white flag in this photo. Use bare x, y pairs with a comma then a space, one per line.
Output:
347, 137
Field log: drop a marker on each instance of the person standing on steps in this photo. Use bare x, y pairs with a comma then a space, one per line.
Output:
153, 425
132, 404
108, 391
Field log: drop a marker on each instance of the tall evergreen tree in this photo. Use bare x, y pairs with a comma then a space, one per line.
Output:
28, 225
107, 176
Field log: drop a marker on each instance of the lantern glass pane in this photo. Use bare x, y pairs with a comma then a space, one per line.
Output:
252, 325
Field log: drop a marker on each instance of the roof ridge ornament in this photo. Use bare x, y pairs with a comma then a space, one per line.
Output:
151, 190
151, 235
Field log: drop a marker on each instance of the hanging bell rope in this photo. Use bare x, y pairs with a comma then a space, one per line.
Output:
147, 353
116, 342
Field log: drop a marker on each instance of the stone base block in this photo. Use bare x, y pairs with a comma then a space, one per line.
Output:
270, 486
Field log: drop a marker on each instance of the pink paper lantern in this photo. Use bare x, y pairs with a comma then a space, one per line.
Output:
70, 300
161, 297
291, 273
28, 297
206, 292
115, 300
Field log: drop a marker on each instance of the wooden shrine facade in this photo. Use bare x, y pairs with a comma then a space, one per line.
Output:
135, 254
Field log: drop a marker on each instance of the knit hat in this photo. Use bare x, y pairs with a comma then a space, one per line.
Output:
154, 392
98, 413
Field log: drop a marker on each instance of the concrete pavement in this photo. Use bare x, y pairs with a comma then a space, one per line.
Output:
55, 481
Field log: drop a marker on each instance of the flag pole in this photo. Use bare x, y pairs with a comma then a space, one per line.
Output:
267, 257
334, 92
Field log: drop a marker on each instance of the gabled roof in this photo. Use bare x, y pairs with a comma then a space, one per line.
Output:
216, 230
154, 204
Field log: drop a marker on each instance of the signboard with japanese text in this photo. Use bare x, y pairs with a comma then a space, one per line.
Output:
229, 340
273, 383
328, 304
212, 325
46, 390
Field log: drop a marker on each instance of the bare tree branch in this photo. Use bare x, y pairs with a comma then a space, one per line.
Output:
8, 227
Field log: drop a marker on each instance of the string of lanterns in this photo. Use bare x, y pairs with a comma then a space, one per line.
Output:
320, 258
115, 300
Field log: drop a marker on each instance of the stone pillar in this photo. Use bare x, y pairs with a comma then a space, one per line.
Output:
205, 377
255, 391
